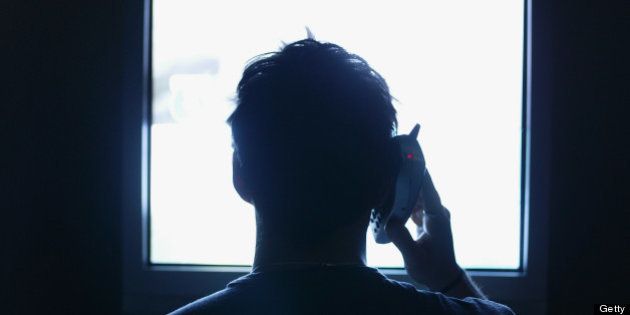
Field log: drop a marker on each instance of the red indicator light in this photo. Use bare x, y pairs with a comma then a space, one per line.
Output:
409, 156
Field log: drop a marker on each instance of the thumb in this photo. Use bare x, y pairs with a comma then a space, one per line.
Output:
401, 237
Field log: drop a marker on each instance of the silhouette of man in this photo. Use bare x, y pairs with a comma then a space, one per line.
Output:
313, 154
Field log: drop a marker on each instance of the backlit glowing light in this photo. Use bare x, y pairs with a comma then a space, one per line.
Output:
460, 77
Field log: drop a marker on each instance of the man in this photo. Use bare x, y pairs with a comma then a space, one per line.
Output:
313, 154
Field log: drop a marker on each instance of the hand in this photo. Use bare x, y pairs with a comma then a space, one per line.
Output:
430, 259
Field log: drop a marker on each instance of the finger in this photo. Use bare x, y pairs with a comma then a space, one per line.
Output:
447, 213
418, 220
417, 216
438, 225
419, 202
432, 202
401, 238
418, 211
423, 238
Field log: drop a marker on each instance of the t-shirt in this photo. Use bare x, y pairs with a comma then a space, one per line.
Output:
331, 290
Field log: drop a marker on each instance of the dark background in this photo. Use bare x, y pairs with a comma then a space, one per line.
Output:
62, 143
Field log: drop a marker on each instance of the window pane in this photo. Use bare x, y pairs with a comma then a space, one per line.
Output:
454, 66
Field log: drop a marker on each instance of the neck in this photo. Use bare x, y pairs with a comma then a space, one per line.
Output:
344, 246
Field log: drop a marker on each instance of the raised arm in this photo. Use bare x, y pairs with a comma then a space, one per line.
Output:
430, 259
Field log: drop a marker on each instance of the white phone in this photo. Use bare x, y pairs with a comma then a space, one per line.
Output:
404, 195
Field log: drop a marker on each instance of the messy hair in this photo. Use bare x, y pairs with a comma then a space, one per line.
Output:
311, 131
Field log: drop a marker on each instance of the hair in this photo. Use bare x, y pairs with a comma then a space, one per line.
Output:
312, 132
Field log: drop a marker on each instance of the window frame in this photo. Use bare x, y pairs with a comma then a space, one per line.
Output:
160, 288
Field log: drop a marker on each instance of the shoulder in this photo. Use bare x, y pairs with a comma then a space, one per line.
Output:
472, 305
210, 304
438, 303
232, 300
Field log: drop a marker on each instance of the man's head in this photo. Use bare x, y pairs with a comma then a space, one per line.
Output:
311, 133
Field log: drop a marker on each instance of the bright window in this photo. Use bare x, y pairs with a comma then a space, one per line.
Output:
456, 67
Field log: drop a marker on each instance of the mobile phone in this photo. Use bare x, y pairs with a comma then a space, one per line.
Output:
411, 170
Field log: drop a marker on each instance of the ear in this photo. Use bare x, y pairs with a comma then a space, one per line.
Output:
237, 180
384, 192
388, 180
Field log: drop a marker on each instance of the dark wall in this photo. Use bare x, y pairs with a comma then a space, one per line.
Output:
589, 257
61, 157
62, 149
